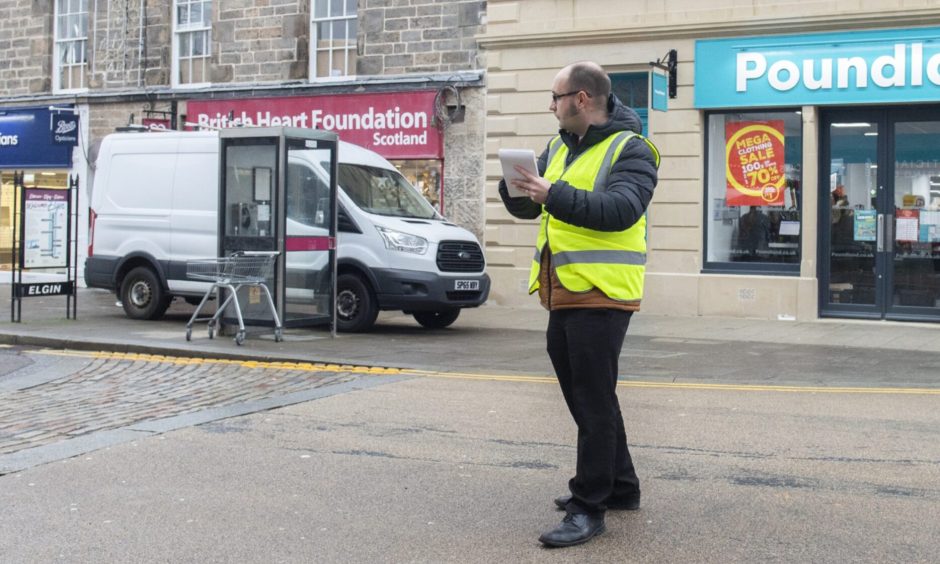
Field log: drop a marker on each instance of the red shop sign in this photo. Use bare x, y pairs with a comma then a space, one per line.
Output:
156, 124
395, 125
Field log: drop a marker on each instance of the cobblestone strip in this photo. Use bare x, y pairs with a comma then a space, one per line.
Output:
116, 390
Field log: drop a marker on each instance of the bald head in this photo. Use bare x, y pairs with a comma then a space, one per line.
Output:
591, 78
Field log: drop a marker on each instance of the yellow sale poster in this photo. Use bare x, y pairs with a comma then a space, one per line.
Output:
755, 163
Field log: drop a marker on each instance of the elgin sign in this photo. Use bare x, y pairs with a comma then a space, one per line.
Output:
43, 289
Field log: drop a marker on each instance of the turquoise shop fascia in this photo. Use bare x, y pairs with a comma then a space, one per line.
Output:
860, 67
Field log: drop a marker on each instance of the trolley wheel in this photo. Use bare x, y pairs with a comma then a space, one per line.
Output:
189, 333
239, 338
278, 335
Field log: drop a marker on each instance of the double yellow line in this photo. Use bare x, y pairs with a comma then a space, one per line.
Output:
360, 369
187, 361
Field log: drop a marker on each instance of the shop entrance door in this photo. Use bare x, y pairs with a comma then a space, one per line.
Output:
880, 214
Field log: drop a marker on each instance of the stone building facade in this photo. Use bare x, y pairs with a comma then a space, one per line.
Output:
25, 33
137, 60
846, 94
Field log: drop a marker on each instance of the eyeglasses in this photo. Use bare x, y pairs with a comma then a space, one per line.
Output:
556, 97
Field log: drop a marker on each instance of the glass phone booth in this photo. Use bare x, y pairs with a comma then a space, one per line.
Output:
277, 192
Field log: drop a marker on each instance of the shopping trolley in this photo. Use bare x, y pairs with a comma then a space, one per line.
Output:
240, 269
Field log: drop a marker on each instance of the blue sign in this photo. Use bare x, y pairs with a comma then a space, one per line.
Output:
65, 129
26, 140
660, 91
859, 67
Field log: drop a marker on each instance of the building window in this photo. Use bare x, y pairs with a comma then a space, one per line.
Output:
425, 175
333, 30
70, 62
191, 24
753, 208
632, 88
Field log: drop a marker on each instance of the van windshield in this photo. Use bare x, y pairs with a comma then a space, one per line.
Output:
383, 192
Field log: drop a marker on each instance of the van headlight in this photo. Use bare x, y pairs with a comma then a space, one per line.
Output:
404, 242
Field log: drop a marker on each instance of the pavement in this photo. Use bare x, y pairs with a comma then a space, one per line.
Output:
826, 352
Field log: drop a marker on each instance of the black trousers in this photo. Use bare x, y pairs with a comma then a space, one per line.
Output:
584, 346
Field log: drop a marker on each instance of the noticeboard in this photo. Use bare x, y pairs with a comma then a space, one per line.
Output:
45, 228
46, 238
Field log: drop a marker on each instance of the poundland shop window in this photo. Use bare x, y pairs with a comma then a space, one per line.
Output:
753, 212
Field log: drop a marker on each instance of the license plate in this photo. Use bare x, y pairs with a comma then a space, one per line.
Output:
466, 285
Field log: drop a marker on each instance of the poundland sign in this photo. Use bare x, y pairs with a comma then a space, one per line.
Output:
901, 65
397, 125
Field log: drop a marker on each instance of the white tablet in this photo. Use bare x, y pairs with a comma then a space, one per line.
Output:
509, 158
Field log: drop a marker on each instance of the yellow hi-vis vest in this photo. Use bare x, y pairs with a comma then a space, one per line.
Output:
583, 259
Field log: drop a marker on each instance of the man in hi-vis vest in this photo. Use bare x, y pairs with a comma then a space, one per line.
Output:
597, 179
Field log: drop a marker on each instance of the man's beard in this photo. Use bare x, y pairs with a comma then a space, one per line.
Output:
567, 116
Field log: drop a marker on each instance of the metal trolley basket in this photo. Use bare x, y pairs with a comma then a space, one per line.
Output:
243, 268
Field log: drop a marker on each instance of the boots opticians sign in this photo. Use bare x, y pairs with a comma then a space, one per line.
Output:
901, 65
395, 125
27, 138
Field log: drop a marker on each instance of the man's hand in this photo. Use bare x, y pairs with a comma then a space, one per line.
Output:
534, 186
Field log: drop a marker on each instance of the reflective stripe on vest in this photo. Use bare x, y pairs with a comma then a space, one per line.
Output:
583, 259
598, 257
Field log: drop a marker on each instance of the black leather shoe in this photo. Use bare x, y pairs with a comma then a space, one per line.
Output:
629, 504
575, 528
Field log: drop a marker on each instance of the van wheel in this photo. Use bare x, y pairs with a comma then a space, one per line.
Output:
437, 319
356, 308
142, 295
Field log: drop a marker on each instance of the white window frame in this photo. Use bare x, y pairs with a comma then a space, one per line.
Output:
80, 13
190, 29
314, 38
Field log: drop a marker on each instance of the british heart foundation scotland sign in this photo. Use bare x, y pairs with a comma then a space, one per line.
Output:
396, 125
755, 163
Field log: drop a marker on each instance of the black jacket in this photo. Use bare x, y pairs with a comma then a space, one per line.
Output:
629, 187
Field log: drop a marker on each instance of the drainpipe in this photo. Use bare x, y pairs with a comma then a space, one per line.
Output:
141, 44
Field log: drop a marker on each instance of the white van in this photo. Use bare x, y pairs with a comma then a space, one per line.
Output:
154, 207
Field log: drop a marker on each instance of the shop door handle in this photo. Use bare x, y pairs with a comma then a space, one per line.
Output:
889, 233
880, 228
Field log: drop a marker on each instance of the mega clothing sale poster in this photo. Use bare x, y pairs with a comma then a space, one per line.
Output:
755, 163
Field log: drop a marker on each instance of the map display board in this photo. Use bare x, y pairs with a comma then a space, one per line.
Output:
45, 228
